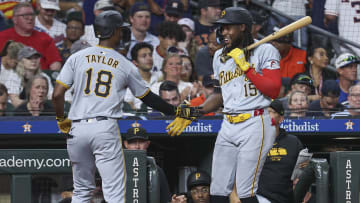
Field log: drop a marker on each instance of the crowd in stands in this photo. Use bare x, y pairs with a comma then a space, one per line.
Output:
172, 44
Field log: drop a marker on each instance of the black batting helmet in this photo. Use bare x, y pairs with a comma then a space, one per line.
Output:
197, 178
106, 22
235, 15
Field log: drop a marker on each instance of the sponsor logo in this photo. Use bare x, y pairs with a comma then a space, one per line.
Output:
302, 126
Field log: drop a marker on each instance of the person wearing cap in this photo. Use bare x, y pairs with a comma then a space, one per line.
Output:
174, 10
45, 21
208, 84
198, 186
23, 31
298, 104
136, 138
293, 59
140, 18
74, 30
29, 66
209, 13
8, 75
328, 102
275, 184
189, 43
353, 108
99, 7
347, 68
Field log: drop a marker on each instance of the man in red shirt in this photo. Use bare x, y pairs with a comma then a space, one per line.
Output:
292, 59
23, 31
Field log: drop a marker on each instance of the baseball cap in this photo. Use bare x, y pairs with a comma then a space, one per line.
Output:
277, 106
139, 6
346, 59
79, 45
136, 133
74, 15
27, 52
330, 88
50, 4
209, 3
208, 80
289, 38
174, 7
197, 178
104, 5
301, 78
11, 49
187, 22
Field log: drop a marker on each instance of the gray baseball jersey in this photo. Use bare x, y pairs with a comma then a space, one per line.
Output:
100, 77
239, 93
241, 147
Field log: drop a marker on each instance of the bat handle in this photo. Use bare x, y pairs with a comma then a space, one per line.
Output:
223, 59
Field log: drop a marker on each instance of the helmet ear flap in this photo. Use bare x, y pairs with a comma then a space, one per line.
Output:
219, 36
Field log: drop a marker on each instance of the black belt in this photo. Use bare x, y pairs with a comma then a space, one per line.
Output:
98, 118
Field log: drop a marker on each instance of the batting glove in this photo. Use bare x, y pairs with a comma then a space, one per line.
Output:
64, 124
178, 126
239, 58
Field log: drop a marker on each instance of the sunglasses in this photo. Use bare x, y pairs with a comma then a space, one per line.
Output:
350, 59
305, 78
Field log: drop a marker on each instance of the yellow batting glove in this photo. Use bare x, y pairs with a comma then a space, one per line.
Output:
239, 58
177, 126
64, 124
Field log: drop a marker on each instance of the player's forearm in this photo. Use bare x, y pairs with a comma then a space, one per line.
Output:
212, 103
155, 102
58, 99
268, 83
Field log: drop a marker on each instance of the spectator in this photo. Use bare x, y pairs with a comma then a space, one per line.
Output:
299, 82
198, 185
209, 13
295, 9
292, 59
141, 55
171, 71
208, 85
23, 31
298, 104
260, 19
328, 102
347, 15
45, 21
354, 103
3, 99
169, 92
100, 6
285, 87
78, 46
28, 67
204, 57
140, 23
36, 103
317, 68
275, 182
137, 138
189, 44
346, 67
174, 10
8, 75
187, 73
170, 34
74, 30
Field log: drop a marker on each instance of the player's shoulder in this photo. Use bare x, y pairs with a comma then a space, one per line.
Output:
218, 53
266, 49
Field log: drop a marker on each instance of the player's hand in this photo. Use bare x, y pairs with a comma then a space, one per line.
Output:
239, 58
64, 124
186, 111
177, 126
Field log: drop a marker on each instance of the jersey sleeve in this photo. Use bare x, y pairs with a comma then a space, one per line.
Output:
216, 61
66, 76
135, 82
269, 57
332, 7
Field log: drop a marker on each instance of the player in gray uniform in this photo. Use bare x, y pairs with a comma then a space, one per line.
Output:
247, 82
100, 76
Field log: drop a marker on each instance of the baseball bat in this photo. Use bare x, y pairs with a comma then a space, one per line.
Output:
277, 34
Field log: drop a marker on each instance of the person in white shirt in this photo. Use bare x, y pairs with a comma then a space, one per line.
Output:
140, 24
354, 103
46, 21
8, 76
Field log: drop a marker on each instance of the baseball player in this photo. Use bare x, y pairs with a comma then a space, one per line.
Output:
100, 76
247, 82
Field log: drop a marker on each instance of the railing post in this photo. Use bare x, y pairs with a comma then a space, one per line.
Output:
21, 188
